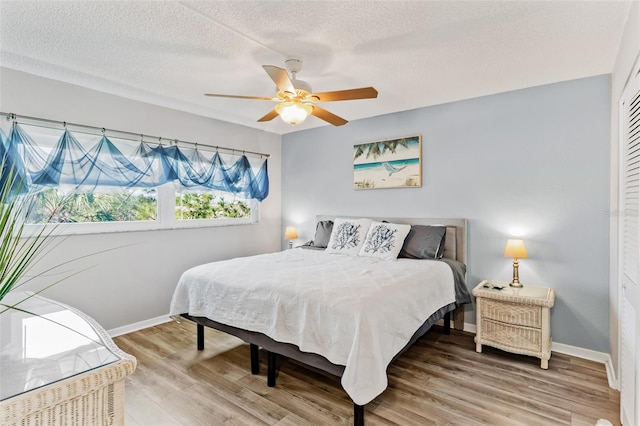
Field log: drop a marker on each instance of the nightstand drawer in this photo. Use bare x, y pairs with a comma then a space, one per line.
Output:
512, 336
512, 313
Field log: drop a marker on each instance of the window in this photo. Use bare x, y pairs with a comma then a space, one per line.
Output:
138, 209
94, 183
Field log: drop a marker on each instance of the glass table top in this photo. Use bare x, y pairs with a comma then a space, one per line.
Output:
43, 341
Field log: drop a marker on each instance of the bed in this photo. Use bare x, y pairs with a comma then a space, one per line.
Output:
317, 308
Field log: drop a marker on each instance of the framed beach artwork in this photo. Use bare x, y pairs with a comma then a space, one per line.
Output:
391, 163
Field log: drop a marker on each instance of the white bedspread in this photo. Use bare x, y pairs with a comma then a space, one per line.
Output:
355, 311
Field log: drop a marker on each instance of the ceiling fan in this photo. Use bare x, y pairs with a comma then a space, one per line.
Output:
295, 100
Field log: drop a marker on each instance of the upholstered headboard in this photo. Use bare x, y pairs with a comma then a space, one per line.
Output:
455, 244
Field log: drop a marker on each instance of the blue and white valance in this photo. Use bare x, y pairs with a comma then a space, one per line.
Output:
45, 157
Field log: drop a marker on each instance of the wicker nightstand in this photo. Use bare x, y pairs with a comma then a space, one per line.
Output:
514, 320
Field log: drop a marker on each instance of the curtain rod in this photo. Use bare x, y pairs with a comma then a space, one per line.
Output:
138, 136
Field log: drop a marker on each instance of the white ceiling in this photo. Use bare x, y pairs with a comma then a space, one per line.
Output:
415, 53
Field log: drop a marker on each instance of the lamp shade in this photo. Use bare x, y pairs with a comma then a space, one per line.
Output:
293, 112
290, 233
516, 249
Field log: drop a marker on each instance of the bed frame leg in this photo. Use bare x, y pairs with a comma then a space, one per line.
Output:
358, 415
200, 337
255, 359
271, 369
447, 323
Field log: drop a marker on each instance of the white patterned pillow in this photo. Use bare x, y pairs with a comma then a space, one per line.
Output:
347, 236
384, 240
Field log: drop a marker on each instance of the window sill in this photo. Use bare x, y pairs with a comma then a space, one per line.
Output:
64, 229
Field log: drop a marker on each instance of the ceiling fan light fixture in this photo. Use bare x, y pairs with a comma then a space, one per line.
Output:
295, 100
293, 112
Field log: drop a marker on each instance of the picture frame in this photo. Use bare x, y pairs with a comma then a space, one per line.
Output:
388, 163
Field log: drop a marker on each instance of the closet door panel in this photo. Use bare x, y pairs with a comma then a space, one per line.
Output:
629, 251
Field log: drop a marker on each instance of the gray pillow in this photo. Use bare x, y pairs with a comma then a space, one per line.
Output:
323, 233
424, 242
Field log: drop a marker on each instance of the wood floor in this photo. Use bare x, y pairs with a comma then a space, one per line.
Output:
440, 380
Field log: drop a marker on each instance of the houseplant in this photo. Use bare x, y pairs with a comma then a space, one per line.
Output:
18, 251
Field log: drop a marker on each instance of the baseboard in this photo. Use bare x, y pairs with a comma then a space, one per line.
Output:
614, 383
578, 352
471, 328
118, 331
590, 355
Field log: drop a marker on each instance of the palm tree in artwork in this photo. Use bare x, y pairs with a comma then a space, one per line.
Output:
376, 149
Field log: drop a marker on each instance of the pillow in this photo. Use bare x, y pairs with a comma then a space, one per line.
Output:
323, 233
424, 242
384, 240
347, 236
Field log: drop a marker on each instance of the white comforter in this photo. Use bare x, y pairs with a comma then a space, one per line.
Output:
355, 311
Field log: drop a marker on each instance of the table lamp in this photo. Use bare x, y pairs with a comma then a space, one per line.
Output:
515, 249
290, 234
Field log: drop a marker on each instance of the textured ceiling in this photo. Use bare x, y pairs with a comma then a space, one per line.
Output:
415, 53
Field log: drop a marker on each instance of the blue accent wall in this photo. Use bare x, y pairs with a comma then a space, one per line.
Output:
532, 162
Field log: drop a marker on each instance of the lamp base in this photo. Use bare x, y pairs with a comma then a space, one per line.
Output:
515, 282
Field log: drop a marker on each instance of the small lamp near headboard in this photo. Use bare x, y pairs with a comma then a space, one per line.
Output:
290, 234
515, 249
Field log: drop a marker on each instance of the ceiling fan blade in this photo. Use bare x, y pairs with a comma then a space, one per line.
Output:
269, 116
261, 98
327, 116
280, 78
346, 95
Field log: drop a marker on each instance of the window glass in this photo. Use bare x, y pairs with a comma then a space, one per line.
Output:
206, 205
125, 205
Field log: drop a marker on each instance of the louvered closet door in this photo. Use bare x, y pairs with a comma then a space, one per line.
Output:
629, 267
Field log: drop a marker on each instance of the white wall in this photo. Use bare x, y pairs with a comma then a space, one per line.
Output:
534, 160
625, 60
135, 281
